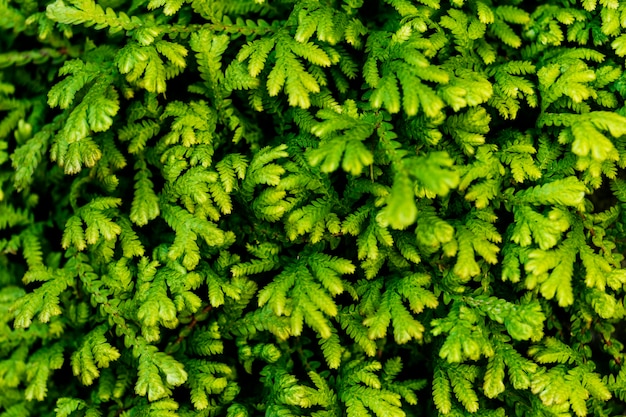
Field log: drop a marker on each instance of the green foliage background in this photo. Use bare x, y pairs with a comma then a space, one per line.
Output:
312, 208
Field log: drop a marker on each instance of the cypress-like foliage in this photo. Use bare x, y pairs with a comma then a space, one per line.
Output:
386, 208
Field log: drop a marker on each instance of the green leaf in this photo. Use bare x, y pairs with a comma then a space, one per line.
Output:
170, 7
587, 140
435, 172
63, 93
206, 378
188, 229
568, 191
145, 206
65, 406
332, 350
494, 377
462, 381
478, 236
43, 301
517, 154
296, 292
155, 307
400, 210
95, 353
465, 338
361, 390
102, 108
468, 128
39, 369
97, 217
552, 271
391, 308
343, 133
619, 44
158, 373
89, 13
442, 393
545, 231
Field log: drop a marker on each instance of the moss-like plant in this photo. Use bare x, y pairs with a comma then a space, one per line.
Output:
312, 208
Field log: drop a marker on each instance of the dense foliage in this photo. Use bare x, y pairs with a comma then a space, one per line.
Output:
312, 208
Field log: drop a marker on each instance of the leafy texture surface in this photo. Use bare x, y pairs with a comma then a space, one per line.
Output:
389, 208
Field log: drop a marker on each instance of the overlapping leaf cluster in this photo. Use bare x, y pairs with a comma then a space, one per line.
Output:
287, 208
